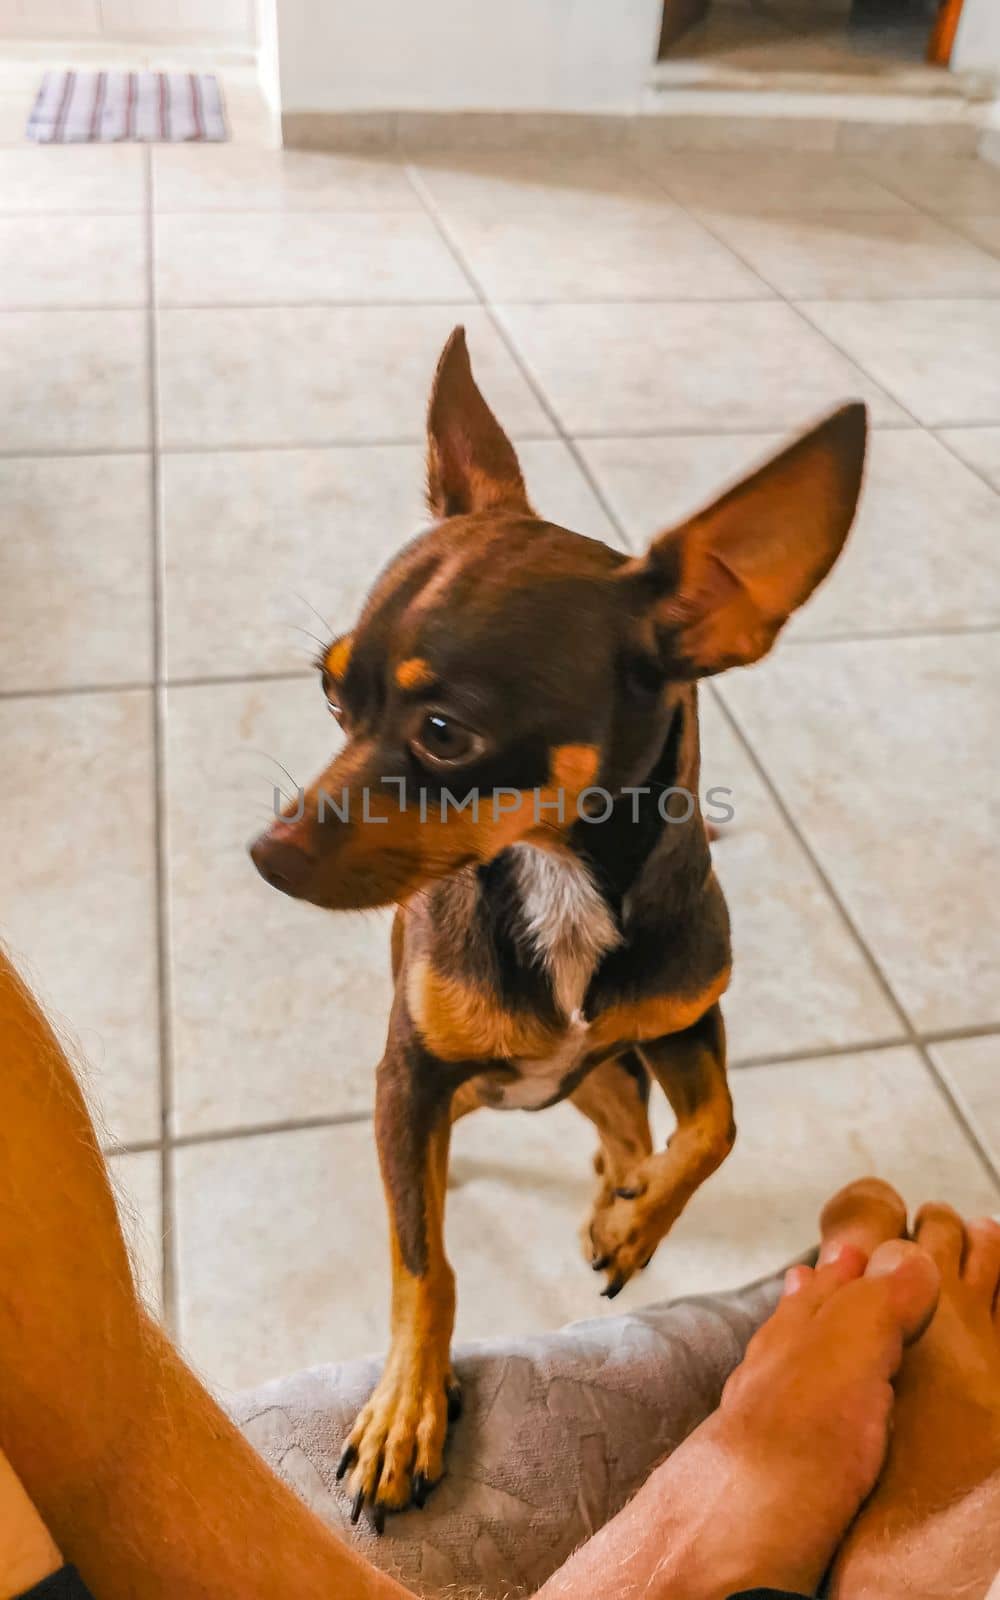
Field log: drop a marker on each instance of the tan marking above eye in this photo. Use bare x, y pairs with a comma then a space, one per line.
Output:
574, 766
414, 673
338, 657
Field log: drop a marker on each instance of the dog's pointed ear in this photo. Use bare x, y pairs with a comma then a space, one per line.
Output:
719, 588
471, 464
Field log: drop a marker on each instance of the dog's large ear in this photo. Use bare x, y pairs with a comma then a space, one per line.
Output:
719, 588
471, 465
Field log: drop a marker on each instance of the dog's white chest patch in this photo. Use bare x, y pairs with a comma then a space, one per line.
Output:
571, 929
566, 918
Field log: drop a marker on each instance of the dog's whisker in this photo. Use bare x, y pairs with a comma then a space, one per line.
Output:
253, 750
321, 643
317, 614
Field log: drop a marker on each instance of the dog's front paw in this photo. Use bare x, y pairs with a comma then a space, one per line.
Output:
623, 1232
395, 1452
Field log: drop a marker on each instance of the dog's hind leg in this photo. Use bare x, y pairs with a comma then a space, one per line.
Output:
615, 1098
691, 1067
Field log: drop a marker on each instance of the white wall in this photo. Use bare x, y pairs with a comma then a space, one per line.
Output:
268, 74
194, 22
446, 55
977, 43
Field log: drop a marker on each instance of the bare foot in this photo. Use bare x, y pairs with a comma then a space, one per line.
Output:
932, 1527
762, 1492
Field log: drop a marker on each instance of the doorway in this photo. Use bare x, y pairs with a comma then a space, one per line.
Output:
855, 37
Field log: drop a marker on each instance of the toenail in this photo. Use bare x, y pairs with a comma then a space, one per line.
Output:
796, 1279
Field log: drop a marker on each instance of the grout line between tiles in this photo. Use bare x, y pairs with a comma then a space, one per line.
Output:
380, 304
794, 305
799, 307
933, 630
788, 1058
346, 1119
398, 441
168, 1239
148, 685
207, 680
342, 1119
946, 444
975, 1030
796, 308
537, 389
912, 1036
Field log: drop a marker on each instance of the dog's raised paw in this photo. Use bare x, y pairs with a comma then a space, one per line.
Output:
623, 1235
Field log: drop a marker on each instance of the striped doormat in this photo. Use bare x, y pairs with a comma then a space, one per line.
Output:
99, 107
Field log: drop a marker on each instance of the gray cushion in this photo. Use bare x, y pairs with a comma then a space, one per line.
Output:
558, 1432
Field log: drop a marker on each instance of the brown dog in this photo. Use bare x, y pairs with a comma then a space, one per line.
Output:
519, 702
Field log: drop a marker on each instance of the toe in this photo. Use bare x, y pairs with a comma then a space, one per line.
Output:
865, 1214
940, 1231
913, 1280
982, 1259
811, 1287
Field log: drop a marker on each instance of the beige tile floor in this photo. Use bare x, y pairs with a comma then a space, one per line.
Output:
215, 363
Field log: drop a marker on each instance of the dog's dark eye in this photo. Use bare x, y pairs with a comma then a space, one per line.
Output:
443, 741
331, 696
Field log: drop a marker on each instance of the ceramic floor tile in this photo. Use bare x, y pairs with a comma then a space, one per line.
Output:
321, 524
769, 181
241, 178
560, 492
972, 1070
984, 230
799, 980
72, 177
77, 555
674, 127
247, 258
567, 257
862, 255
939, 358
980, 447
598, 188
77, 888
138, 1190
74, 380
298, 1296
304, 375
881, 750
14, 112
101, 261
951, 187
280, 1010
630, 368
897, 570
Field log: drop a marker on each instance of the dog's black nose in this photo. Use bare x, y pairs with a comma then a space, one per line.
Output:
282, 864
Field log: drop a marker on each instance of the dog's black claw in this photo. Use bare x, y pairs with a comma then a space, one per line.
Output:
614, 1288
600, 1262
645, 1264
357, 1508
421, 1489
627, 1194
346, 1462
377, 1515
454, 1401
